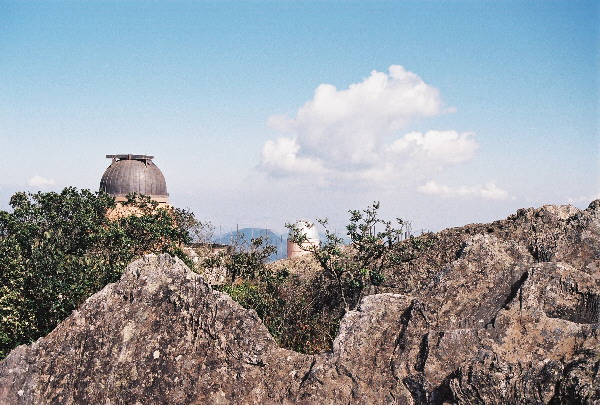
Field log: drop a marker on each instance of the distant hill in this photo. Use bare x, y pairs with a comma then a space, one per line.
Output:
280, 241
247, 234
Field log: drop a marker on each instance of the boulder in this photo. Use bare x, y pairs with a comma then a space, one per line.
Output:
499, 313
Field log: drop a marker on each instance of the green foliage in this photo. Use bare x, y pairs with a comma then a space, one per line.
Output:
247, 260
360, 264
301, 314
307, 319
56, 249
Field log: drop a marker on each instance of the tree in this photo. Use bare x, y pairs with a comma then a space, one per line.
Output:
294, 309
302, 310
57, 249
247, 259
360, 264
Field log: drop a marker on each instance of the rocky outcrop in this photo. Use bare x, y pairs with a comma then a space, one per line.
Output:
502, 313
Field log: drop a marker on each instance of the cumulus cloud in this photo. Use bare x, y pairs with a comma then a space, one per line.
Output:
435, 148
280, 157
488, 191
345, 134
40, 182
355, 134
344, 128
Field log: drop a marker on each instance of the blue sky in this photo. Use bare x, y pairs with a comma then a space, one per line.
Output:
263, 112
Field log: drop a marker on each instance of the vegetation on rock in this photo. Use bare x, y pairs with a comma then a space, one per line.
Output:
473, 315
57, 249
302, 309
299, 313
355, 267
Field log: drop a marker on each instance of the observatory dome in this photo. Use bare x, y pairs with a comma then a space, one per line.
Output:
307, 229
134, 174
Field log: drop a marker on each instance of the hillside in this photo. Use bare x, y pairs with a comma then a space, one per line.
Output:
500, 313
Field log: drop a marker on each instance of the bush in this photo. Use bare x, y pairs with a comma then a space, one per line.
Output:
360, 264
300, 314
303, 312
57, 249
246, 261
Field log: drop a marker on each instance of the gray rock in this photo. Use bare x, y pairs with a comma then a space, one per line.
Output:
503, 313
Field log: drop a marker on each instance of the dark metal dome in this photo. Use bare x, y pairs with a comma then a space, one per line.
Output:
133, 174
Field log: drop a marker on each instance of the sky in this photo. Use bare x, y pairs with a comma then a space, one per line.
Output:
260, 113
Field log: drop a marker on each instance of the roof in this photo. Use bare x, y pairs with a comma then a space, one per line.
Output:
133, 174
306, 228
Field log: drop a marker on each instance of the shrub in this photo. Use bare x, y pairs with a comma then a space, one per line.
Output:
57, 249
303, 311
301, 314
360, 264
246, 261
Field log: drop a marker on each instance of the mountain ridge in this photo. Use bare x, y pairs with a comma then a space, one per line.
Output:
505, 312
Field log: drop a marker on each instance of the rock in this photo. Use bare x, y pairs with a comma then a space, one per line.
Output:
499, 313
159, 335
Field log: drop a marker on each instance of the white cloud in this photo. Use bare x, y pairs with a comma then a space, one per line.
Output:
354, 135
488, 191
341, 134
345, 129
40, 182
434, 148
280, 157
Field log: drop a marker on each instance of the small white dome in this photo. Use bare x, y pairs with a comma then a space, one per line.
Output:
307, 228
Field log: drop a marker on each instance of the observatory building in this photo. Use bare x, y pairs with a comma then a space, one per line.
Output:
134, 174
307, 228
